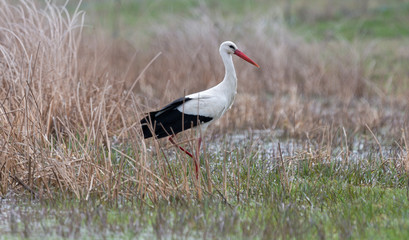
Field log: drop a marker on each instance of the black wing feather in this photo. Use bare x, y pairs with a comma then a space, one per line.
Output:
168, 120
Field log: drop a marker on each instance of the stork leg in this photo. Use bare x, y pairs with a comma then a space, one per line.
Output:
181, 148
195, 158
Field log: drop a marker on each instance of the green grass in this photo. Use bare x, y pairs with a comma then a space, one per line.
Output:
369, 26
310, 210
360, 198
382, 19
135, 13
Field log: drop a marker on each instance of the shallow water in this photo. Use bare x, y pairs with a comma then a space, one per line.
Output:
269, 144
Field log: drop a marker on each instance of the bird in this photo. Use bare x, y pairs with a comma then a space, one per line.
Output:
197, 110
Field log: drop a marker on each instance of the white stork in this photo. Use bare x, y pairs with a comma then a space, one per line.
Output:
197, 109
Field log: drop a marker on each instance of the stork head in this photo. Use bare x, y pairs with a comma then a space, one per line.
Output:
231, 48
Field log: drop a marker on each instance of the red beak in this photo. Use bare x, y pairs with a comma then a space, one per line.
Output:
244, 56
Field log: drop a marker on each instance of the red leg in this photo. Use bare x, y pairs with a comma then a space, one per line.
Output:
181, 148
195, 159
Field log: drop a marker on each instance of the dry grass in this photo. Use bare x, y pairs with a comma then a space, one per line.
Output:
59, 104
70, 102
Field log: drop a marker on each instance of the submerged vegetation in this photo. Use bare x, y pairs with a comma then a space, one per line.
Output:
329, 158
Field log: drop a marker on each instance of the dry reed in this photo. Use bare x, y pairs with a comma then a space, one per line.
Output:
61, 105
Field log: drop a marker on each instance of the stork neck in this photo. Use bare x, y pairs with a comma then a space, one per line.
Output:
230, 78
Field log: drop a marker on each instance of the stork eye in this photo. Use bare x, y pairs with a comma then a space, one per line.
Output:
231, 46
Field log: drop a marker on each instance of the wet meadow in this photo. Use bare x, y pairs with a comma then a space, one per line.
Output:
314, 147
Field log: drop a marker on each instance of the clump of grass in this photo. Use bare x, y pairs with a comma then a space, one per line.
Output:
60, 107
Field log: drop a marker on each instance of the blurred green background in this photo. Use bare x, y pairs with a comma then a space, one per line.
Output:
318, 19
